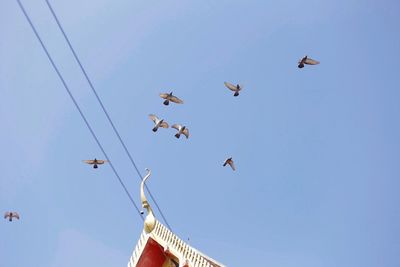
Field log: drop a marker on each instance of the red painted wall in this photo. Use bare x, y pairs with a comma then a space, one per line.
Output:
152, 255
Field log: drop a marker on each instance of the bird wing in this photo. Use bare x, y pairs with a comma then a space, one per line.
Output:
302, 60
230, 86
310, 61
153, 118
101, 161
230, 162
164, 124
186, 132
7, 214
176, 126
89, 161
176, 100
164, 95
15, 215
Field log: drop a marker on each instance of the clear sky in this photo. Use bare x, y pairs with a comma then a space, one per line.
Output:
316, 149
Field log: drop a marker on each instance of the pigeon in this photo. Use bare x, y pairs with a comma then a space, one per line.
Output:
10, 215
235, 88
230, 162
181, 130
158, 122
308, 61
95, 162
170, 97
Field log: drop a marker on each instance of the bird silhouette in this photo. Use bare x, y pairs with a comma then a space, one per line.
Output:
235, 88
181, 130
10, 215
308, 61
95, 162
230, 162
158, 123
170, 97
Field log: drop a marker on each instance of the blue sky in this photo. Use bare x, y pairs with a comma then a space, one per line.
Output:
317, 149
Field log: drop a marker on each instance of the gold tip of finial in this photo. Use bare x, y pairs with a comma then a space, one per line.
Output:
150, 221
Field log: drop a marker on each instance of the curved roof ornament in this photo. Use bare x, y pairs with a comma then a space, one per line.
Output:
150, 221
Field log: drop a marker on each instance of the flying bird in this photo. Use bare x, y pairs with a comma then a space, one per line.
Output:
95, 162
158, 123
235, 88
230, 162
181, 130
10, 215
170, 97
308, 61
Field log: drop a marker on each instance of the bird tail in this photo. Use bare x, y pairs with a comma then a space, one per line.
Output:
10, 219
177, 135
155, 129
236, 94
95, 166
166, 102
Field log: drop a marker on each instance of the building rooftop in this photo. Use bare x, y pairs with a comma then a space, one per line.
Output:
160, 247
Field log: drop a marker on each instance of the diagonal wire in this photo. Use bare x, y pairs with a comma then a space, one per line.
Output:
104, 109
77, 106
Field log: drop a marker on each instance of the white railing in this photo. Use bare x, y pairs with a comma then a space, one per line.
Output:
181, 249
138, 250
175, 245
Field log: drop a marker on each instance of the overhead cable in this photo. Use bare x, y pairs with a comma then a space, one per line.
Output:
77, 106
104, 109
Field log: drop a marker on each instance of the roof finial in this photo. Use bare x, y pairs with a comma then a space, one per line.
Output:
150, 221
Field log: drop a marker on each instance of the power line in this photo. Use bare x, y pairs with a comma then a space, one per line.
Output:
104, 109
77, 106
